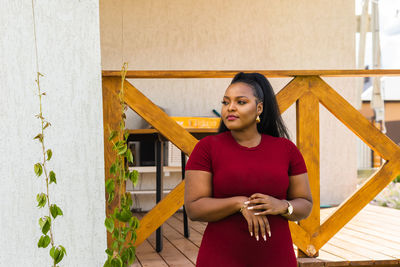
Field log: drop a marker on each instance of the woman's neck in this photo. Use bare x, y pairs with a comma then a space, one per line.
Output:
249, 137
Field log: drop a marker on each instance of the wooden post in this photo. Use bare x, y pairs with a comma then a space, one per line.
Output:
376, 158
111, 119
307, 122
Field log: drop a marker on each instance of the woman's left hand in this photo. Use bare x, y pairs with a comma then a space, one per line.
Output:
266, 205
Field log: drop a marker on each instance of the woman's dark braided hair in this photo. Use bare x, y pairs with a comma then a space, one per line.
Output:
271, 120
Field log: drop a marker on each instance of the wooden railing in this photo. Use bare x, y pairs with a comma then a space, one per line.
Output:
307, 90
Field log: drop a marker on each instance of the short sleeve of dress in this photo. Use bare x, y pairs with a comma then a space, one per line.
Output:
200, 159
296, 160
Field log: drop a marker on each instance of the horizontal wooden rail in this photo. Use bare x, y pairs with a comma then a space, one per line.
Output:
194, 74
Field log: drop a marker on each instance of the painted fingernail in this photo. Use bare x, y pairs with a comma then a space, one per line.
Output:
269, 233
249, 208
256, 213
257, 238
265, 238
247, 202
251, 233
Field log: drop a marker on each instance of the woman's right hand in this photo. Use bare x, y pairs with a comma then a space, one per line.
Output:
258, 224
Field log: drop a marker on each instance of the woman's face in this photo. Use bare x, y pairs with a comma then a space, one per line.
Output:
240, 107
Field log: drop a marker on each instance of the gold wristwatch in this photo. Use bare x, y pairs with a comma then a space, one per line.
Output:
289, 210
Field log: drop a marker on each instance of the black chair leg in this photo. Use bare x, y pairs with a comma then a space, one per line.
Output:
185, 219
159, 189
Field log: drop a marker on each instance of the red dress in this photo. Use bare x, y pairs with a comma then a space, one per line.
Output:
241, 171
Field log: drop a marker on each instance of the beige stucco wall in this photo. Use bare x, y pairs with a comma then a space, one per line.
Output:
68, 55
238, 34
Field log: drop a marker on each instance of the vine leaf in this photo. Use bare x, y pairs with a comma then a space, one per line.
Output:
38, 169
110, 186
126, 199
122, 149
63, 249
44, 241
41, 199
118, 145
109, 252
134, 222
57, 253
113, 168
49, 154
116, 262
109, 223
52, 252
133, 177
129, 156
115, 235
126, 135
133, 236
113, 134
132, 254
46, 125
124, 215
39, 116
128, 255
111, 197
52, 177
55, 211
44, 224
115, 244
39, 137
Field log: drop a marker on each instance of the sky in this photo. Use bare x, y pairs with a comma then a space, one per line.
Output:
389, 20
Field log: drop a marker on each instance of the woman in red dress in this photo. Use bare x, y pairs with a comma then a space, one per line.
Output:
247, 182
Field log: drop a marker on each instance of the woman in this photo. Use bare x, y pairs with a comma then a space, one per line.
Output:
247, 182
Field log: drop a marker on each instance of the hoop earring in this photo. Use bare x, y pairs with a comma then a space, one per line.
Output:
258, 119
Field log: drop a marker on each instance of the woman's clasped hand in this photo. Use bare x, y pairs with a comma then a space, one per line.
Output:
257, 207
266, 205
258, 224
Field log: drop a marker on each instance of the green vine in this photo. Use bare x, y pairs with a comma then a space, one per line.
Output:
43, 199
121, 223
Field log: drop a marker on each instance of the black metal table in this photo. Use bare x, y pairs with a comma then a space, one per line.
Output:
159, 140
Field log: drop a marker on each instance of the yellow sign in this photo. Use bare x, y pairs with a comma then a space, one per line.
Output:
197, 122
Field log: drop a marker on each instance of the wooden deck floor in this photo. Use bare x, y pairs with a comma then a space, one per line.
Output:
372, 238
